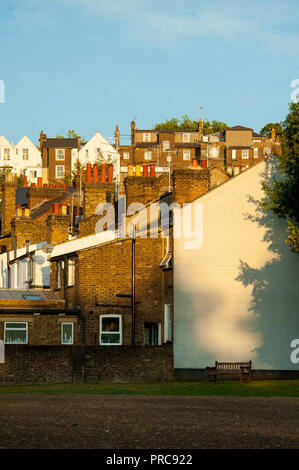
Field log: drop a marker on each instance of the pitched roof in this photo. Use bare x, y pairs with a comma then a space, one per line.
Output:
25, 294
45, 206
238, 128
60, 143
83, 243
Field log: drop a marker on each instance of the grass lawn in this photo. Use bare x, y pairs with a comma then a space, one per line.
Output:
271, 388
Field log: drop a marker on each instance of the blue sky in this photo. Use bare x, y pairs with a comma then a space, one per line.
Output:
91, 64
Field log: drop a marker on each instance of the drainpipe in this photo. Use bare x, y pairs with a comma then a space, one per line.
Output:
133, 284
30, 256
8, 271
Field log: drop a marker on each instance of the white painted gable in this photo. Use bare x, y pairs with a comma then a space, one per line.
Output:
4, 144
89, 152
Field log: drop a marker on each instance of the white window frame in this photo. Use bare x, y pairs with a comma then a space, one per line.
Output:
255, 152
71, 272
126, 155
188, 153
186, 137
56, 172
146, 137
245, 154
16, 329
167, 323
267, 150
62, 325
6, 154
25, 154
234, 154
147, 155
59, 274
110, 332
59, 155
214, 152
166, 145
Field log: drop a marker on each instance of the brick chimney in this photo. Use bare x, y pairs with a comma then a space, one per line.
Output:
57, 226
189, 184
96, 192
9, 189
141, 189
38, 195
200, 128
117, 138
42, 138
133, 132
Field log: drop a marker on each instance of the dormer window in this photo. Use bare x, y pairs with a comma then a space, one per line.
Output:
186, 137
146, 137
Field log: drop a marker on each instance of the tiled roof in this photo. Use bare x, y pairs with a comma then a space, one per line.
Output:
45, 206
239, 128
21, 294
60, 143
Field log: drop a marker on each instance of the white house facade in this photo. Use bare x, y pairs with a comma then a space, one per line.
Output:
99, 147
236, 295
24, 158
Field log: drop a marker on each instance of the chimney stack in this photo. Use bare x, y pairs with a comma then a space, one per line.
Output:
9, 189
117, 138
189, 184
133, 132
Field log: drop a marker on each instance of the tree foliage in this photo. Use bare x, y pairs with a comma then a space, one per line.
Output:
282, 194
267, 129
188, 124
71, 134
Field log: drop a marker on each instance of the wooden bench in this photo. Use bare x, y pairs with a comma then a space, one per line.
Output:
230, 368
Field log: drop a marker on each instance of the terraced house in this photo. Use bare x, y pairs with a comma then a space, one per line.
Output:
94, 288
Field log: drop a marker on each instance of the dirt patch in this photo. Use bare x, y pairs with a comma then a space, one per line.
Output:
147, 422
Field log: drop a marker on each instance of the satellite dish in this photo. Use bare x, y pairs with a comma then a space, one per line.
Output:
48, 248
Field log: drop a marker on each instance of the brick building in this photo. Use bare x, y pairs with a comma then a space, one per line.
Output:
112, 284
58, 157
233, 150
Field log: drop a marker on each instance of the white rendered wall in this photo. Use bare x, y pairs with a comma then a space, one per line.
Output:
236, 298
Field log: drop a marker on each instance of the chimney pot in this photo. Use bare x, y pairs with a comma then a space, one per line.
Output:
130, 170
103, 173
56, 208
110, 173
88, 173
137, 170
152, 170
145, 170
95, 176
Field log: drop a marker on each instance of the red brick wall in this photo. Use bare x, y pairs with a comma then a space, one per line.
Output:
66, 364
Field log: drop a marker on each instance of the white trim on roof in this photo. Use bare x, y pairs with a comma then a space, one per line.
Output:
82, 243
